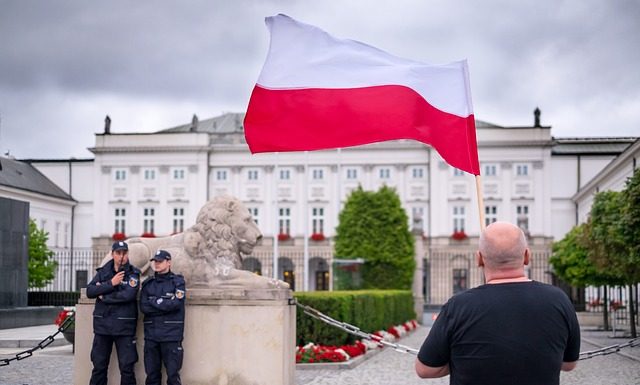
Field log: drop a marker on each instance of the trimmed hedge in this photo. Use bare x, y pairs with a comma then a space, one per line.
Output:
369, 310
53, 298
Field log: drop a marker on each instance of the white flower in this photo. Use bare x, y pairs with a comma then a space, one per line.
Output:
346, 356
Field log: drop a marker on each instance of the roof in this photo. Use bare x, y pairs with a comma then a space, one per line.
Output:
23, 176
592, 146
230, 122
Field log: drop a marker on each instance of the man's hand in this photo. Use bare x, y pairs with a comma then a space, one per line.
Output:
117, 279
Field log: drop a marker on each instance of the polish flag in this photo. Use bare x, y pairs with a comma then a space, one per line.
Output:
318, 92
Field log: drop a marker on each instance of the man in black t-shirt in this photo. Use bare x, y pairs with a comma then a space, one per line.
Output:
509, 331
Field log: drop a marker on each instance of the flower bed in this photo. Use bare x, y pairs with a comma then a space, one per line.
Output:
70, 332
312, 353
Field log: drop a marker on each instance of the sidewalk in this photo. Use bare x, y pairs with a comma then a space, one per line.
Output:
54, 365
29, 337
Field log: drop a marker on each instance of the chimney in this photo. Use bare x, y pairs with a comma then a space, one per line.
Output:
536, 117
194, 124
107, 125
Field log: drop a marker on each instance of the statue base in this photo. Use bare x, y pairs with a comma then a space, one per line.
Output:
232, 336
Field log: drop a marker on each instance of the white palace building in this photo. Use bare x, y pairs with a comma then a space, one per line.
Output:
155, 183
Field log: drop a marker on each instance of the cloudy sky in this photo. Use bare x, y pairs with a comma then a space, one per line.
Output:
151, 65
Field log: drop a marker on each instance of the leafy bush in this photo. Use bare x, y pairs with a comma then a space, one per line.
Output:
370, 310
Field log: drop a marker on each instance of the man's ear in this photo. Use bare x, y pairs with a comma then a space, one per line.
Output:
527, 254
480, 259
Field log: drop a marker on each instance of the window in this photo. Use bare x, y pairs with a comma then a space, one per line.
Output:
352, 173
522, 217
252, 174
148, 220
254, 214
458, 218
285, 174
178, 220
57, 235
490, 214
66, 235
119, 225
284, 220
490, 170
384, 173
522, 170
178, 174
457, 172
459, 280
120, 175
317, 174
417, 214
317, 220
417, 173
149, 174
221, 175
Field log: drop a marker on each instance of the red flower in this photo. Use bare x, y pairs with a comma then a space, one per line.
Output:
62, 316
317, 237
119, 236
393, 331
283, 237
459, 235
615, 305
148, 235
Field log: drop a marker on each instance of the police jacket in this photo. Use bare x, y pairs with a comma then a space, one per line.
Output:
116, 310
162, 302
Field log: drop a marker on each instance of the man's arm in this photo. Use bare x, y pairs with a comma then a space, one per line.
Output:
425, 371
568, 366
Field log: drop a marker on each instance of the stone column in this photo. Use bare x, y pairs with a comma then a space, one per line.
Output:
232, 336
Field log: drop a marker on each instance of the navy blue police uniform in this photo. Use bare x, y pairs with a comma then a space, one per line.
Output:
162, 302
114, 320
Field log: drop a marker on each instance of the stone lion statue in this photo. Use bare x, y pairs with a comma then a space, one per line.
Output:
209, 253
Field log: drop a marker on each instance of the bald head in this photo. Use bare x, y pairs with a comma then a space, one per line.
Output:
502, 246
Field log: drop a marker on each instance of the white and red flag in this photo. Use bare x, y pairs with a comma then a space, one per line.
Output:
318, 92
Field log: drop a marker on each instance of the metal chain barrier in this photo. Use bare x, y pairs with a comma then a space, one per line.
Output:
404, 349
354, 330
609, 349
43, 344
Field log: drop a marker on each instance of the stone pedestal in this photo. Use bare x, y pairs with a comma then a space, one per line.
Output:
234, 336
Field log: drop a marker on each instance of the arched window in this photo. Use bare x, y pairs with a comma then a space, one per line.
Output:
320, 271
286, 272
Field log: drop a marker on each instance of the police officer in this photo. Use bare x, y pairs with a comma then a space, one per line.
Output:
162, 302
115, 316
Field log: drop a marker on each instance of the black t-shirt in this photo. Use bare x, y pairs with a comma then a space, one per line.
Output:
510, 333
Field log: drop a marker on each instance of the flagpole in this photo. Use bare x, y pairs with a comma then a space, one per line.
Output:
277, 220
480, 202
306, 222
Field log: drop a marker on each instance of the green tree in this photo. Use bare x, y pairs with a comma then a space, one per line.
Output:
630, 231
41, 266
374, 226
572, 263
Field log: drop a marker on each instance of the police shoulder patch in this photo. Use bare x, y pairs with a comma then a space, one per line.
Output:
179, 294
133, 281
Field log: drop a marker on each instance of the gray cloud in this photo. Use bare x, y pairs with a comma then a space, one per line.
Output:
64, 65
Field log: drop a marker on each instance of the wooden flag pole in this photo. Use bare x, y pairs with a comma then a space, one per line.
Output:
480, 202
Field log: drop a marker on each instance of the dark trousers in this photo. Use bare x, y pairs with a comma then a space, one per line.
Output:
156, 353
101, 353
